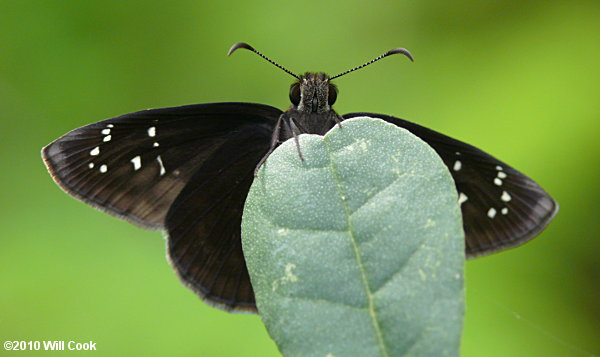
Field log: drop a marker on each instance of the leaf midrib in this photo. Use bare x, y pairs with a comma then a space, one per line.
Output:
363, 274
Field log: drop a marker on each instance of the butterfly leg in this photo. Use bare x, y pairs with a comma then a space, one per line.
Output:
296, 132
274, 143
338, 120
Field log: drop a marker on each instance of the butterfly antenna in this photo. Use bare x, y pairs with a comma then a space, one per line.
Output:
403, 51
250, 48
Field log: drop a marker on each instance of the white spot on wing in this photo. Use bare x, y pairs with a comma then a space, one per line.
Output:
110, 126
155, 144
105, 131
91, 165
162, 167
499, 168
501, 174
505, 196
137, 163
491, 212
497, 182
457, 165
95, 151
462, 198
152, 131
103, 169
504, 211
107, 138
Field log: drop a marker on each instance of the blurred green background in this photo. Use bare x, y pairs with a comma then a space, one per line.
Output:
519, 79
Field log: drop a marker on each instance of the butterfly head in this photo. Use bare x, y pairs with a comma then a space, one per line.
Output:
313, 93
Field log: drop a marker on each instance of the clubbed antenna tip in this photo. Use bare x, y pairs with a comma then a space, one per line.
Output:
403, 51
239, 45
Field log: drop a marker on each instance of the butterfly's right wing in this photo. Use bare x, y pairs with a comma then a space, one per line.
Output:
501, 207
135, 165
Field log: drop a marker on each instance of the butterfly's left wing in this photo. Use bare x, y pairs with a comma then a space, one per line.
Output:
501, 207
134, 166
183, 169
204, 223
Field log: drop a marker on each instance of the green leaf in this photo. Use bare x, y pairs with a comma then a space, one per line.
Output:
358, 250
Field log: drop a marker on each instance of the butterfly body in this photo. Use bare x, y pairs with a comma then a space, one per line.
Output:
187, 171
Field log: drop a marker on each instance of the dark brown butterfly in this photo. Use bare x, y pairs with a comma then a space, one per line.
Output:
187, 170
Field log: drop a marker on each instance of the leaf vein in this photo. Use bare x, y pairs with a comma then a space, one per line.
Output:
340, 303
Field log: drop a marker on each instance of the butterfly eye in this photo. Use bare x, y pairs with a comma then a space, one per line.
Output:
332, 95
295, 93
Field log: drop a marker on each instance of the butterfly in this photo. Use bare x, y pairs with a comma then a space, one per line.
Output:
187, 170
